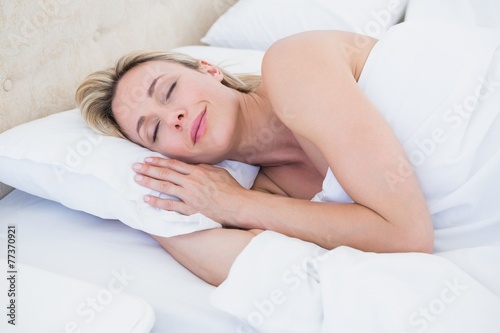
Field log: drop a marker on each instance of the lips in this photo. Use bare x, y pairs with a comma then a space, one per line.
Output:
198, 127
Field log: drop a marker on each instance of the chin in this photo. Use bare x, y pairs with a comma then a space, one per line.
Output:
198, 160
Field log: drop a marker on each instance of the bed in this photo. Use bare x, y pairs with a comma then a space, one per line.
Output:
75, 249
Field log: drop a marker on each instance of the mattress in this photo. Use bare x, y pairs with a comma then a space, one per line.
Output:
79, 249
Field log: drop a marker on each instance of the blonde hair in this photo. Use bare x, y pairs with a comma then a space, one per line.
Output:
95, 94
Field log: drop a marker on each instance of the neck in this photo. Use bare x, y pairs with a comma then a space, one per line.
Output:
263, 139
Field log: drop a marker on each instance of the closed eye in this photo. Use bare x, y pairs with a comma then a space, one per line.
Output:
172, 87
155, 133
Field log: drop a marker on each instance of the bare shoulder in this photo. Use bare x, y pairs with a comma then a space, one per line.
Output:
309, 76
345, 49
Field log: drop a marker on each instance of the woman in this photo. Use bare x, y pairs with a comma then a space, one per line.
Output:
315, 119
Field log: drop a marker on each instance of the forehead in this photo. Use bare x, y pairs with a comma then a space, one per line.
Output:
142, 75
131, 90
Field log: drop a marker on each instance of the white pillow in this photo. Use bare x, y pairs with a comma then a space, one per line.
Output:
233, 60
478, 13
60, 158
256, 24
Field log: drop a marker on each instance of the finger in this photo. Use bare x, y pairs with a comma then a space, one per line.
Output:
162, 186
173, 164
169, 204
157, 172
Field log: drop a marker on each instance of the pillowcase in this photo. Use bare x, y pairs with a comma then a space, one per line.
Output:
232, 60
256, 24
477, 13
60, 158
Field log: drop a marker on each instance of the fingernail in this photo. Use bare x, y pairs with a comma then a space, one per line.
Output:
146, 199
138, 178
136, 166
148, 159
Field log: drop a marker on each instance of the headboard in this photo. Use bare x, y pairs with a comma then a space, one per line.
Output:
47, 47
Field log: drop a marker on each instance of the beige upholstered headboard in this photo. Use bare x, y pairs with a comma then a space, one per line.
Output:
48, 46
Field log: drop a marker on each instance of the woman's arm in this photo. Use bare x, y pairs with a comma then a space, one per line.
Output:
310, 81
216, 194
209, 254
331, 224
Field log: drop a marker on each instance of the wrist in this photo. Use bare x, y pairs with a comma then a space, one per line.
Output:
253, 210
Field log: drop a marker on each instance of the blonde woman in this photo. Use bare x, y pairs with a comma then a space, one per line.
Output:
317, 123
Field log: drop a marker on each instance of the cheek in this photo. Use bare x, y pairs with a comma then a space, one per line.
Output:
173, 150
222, 132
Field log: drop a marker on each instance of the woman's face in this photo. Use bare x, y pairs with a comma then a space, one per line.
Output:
177, 111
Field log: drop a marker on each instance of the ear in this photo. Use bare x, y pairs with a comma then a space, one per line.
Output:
205, 67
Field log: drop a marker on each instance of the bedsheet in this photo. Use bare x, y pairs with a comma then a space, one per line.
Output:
87, 248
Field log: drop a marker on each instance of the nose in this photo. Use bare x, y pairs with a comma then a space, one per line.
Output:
176, 119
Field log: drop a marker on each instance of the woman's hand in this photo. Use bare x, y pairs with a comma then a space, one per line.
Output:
201, 188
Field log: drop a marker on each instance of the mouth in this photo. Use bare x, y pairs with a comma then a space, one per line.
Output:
198, 128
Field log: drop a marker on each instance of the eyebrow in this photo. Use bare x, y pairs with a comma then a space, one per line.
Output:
139, 124
152, 86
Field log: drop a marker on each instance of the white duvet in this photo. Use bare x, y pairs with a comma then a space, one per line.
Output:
281, 284
438, 86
